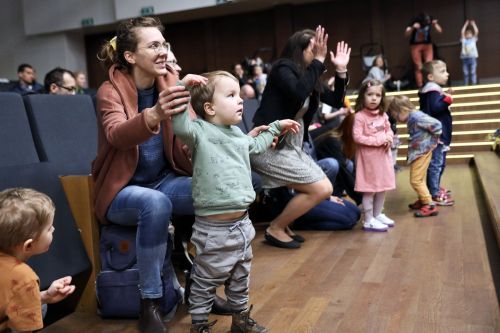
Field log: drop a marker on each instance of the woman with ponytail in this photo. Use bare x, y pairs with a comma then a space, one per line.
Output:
142, 172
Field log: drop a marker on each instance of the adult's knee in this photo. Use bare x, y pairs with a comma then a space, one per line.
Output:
157, 209
323, 190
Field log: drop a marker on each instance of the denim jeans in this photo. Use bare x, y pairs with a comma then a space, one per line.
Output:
151, 209
434, 171
469, 66
330, 167
329, 215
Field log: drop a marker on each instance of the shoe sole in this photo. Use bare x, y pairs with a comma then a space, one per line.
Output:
428, 215
444, 203
374, 229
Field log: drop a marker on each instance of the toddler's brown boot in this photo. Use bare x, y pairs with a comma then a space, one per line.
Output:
242, 323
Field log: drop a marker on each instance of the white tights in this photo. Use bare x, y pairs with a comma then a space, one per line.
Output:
373, 204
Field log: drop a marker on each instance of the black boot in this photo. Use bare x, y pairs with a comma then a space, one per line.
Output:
150, 316
220, 307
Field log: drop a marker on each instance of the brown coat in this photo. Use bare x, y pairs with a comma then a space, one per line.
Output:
121, 129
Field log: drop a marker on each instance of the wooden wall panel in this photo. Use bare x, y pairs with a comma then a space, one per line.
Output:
217, 43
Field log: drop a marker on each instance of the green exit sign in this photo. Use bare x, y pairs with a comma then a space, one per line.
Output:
87, 22
150, 10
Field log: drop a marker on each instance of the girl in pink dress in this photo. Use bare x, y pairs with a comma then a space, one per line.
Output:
373, 137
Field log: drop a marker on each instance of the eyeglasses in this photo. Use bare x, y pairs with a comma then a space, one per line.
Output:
70, 89
172, 63
157, 47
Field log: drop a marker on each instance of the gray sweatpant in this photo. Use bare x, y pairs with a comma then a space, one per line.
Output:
223, 256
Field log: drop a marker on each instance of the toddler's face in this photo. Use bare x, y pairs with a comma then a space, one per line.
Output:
440, 74
373, 96
42, 243
226, 103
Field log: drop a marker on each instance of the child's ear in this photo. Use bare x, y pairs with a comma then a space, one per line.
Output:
28, 245
430, 77
208, 108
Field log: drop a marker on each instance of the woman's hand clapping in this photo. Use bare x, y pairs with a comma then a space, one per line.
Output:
319, 44
341, 58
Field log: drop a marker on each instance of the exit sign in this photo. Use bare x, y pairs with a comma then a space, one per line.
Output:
87, 22
147, 10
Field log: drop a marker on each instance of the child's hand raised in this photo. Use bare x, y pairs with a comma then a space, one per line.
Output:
58, 290
289, 125
193, 80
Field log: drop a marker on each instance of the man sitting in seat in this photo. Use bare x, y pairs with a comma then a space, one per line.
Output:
60, 81
27, 81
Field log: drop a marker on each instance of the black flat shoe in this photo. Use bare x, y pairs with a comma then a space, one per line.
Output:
298, 238
293, 244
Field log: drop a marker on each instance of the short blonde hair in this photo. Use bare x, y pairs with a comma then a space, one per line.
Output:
201, 94
23, 214
399, 104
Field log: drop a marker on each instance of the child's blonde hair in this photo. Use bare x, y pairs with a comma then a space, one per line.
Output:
429, 67
399, 104
360, 100
201, 94
23, 214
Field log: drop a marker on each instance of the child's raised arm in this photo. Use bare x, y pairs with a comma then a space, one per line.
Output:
462, 32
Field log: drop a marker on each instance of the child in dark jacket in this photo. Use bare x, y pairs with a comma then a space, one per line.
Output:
436, 103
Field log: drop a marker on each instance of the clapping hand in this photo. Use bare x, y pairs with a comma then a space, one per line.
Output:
342, 56
319, 44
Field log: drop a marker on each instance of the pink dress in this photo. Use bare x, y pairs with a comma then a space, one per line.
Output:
374, 166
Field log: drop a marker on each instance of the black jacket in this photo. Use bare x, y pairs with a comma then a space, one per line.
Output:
286, 90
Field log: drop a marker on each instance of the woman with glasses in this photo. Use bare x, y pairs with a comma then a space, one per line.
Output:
141, 170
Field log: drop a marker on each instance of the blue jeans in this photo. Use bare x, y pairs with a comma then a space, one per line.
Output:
329, 215
469, 66
330, 167
151, 209
434, 170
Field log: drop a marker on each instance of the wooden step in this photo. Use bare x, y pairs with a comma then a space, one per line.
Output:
458, 147
465, 125
451, 158
487, 166
475, 114
457, 91
460, 136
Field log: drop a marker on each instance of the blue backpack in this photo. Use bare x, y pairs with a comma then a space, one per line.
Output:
117, 284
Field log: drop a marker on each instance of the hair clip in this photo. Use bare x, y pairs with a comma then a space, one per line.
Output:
369, 84
112, 42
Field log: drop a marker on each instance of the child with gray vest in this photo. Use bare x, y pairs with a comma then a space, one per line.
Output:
222, 193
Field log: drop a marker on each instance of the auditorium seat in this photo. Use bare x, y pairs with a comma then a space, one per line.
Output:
250, 106
64, 130
16, 140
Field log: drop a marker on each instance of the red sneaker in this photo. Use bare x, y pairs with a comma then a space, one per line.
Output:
426, 211
443, 200
416, 205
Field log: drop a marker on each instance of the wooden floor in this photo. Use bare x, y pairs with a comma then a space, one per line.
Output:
424, 275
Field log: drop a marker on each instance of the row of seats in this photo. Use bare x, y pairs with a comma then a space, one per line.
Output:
41, 138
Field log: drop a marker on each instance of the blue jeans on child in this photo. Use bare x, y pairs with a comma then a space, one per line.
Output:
469, 66
151, 208
434, 170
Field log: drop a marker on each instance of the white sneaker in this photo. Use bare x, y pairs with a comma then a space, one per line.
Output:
385, 220
374, 225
